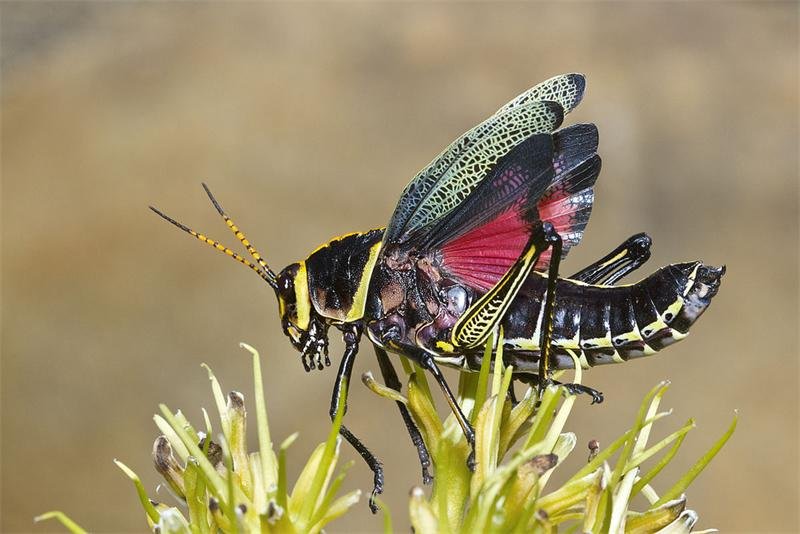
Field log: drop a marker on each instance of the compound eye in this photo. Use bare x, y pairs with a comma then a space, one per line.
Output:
287, 289
286, 283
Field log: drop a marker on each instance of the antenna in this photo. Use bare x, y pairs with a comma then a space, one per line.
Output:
262, 269
240, 235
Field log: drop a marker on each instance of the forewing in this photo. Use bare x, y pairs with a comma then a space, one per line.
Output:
513, 185
546, 177
455, 173
566, 89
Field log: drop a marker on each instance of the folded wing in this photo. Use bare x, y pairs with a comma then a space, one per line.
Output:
547, 178
453, 175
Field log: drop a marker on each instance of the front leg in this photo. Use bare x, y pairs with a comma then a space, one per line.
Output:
351, 334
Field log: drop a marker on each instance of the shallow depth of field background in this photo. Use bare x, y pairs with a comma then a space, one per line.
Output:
307, 121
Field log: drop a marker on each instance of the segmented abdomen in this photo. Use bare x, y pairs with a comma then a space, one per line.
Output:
608, 324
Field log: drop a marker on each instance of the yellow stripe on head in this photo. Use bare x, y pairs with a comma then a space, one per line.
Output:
302, 302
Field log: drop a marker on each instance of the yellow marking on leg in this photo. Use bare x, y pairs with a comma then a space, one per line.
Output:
615, 258
480, 319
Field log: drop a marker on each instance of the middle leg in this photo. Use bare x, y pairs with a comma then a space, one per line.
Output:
426, 361
391, 380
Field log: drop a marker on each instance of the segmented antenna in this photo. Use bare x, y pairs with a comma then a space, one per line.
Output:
262, 269
239, 235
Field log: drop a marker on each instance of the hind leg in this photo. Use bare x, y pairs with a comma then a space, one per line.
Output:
574, 389
620, 262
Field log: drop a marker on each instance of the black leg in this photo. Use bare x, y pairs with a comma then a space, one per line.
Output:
351, 336
620, 262
552, 237
391, 380
427, 362
575, 389
554, 240
512, 396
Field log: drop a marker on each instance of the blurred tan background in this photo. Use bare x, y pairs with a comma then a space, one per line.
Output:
307, 121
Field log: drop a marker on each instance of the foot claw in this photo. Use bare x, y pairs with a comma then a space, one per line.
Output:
471, 461
427, 478
373, 506
577, 389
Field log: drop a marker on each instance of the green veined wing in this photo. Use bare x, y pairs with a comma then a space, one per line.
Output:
456, 172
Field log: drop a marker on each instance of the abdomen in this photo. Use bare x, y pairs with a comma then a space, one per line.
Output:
609, 324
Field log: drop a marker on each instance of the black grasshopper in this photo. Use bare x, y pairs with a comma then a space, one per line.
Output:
474, 245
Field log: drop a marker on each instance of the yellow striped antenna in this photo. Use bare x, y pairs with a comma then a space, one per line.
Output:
266, 274
240, 235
